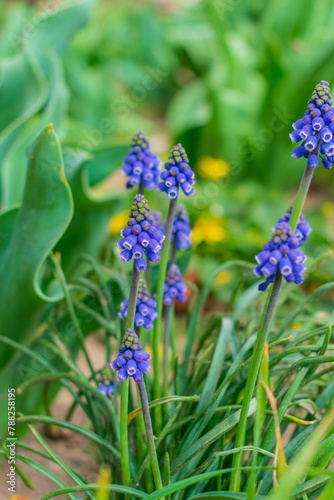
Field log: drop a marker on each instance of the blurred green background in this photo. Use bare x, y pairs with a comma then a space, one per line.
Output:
225, 77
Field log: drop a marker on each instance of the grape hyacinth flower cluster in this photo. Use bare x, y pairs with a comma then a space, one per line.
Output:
303, 229
281, 255
105, 383
181, 230
131, 361
145, 307
178, 174
141, 165
316, 129
141, 235
174, 288
158, 219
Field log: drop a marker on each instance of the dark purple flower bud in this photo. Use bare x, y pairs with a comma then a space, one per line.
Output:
127, 354
144, 366
144, 239
296, 256
122, 374
154, 246
306, 131
126, 231
137, 251
105, 384
139, 319
328, 148
313, 161
176, 173
262, 257
320, 117
136, 229
186, 187
275, 257
152, 256
141, 265
311, 143
141, 164
125, 256
298, 152
143, 309
180, 178
298, 279
325, 134
152, 231
298, 124
173, 286
268, 269
120, 243
326, 163
138, 376
307, 119
151, 303
170, 181
318, 123
129, 242
172, 192
131, 367
133, 181
283, 256
295, 136
137, 364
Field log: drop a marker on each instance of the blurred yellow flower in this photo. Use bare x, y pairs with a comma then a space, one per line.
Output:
161, 350
328, 209
297, 325
223, 278
118, 222
210, 230
103, 480
213, 168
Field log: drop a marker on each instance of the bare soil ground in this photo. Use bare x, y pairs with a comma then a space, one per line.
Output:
75, 450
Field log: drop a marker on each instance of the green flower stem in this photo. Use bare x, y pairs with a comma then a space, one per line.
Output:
71, 311
168, 315
129, 323
159, 300
130, 317
148, 275
301, 196
141, 186
174, 250
149, 435
252, 377
264, 330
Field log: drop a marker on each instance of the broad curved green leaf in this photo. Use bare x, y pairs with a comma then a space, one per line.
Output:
45, 213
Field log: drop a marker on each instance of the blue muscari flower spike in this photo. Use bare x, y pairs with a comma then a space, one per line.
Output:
131, 361
173, 287
178, 174
158, 219
316, 129
181, 229
145, 308
281, 255
141, 164
141, 235
303, 229
105, 382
